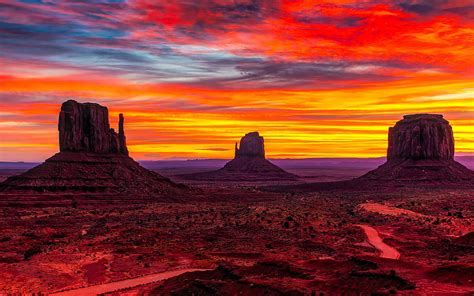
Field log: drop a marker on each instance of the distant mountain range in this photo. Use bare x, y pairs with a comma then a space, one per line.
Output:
326, 163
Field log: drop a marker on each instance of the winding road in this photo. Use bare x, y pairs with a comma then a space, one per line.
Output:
376, 241
114, 286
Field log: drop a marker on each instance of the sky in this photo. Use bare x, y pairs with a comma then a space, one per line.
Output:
315, 78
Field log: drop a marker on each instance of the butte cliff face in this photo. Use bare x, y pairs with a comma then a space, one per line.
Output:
85, 128
421, 136
93, 158
251, 145
249, 164
421, 148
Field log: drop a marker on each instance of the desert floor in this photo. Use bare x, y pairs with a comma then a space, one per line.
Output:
406, 241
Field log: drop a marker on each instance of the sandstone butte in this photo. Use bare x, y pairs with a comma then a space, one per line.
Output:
249, 164
93, 158
421, 148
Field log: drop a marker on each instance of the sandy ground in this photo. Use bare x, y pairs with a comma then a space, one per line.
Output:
286, 241
388, 210
376, 241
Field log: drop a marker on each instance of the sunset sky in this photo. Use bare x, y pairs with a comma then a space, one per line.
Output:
315, 78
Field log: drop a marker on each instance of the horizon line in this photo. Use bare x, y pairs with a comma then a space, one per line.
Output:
461, 154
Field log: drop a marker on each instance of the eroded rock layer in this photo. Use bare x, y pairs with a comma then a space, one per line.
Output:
251, 145
85, 128
421, 136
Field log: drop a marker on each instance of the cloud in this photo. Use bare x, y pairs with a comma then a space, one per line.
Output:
188, 72
215, 149
146, 41
463, 9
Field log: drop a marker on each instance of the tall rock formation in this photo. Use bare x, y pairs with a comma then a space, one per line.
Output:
421, 136
251, 145
420, 153
249, 164
421, 148
121, 135
93, 158
85, 128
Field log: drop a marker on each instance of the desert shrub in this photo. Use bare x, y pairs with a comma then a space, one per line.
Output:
31, 252
5, 239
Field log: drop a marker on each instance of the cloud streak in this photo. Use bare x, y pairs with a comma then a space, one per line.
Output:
192, 76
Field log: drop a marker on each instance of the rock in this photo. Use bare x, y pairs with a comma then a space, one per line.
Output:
121, 134
85, 128
249, 164
420, 153
421, 136
251, 145
421, 149
93, 158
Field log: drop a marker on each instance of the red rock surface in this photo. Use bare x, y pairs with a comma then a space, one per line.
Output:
85, 128
251, 145
283, 244
121, 134
421, 136
79, 172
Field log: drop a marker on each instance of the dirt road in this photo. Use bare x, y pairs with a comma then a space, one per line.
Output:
114, 286
376, 241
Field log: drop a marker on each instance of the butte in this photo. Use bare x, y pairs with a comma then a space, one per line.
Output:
93, 159
249, 164
420, 153
421, 149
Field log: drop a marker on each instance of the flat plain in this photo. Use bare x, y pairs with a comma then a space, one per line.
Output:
247, 240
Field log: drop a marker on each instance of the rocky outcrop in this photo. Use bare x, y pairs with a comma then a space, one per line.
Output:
251, 145
122, 140
421, 149
93, 159
420, 153
421, 136
249, 164
85, 128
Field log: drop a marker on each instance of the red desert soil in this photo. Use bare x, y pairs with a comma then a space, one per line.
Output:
279, 242
125, 284
388, 210
374, 239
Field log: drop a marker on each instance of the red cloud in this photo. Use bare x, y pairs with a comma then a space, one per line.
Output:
294, 30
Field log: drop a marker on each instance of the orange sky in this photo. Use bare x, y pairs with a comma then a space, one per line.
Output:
315, 78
